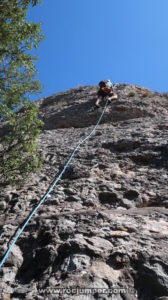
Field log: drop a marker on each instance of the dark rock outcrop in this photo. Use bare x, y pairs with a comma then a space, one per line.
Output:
105, 226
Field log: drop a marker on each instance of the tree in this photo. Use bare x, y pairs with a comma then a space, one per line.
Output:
19, 154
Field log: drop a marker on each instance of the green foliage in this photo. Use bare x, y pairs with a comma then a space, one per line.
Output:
131, 94
19, 151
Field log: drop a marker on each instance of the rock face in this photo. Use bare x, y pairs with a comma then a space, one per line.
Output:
103, 233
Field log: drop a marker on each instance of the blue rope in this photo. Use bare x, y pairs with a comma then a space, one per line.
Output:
19, 232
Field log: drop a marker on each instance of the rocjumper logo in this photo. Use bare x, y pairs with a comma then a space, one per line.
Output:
86, 291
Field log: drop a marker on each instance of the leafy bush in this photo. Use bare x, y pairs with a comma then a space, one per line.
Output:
131, 94
19, 150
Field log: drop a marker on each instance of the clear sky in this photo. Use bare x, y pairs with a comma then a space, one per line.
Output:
90, 40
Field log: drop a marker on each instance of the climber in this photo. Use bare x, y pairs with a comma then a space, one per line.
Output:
105, 89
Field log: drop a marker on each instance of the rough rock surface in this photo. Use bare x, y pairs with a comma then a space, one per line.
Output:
105, 226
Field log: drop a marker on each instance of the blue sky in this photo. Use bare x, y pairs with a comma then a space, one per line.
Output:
90, 40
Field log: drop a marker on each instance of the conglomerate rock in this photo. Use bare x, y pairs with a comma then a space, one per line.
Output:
103, 233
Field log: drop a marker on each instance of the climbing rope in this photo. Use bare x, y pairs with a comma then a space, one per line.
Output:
50, 189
